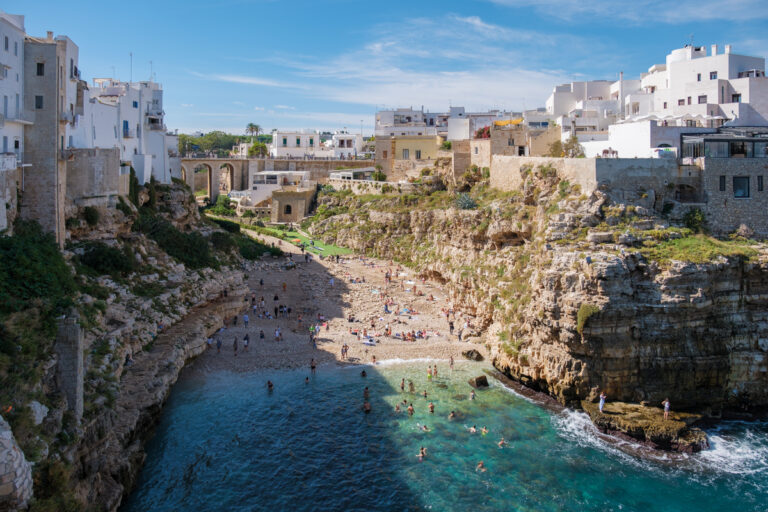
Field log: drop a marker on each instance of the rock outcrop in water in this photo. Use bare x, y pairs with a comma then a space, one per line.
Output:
643, 311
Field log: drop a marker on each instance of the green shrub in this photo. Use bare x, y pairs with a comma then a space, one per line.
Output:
152, 202
133, 188
694, 220
91, 215
378, 176
387, 188
227, 225
192, 249
32, 268
585, 311
143, 289
446, 145
123, 206
72, 223
108, 260
223, 207
465, 202
222, 241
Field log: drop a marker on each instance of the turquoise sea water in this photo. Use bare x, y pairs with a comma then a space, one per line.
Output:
225, 443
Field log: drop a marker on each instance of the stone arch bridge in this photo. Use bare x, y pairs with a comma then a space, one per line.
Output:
223, 174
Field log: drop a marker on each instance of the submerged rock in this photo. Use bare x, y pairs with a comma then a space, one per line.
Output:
472, 355
648, 426
479, 382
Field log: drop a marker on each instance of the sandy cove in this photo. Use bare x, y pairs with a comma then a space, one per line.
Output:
309, 291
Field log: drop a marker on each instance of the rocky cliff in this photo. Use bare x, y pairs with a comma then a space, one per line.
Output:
577, 294
149, 282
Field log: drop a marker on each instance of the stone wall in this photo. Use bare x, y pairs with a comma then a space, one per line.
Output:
93, 176
70, 370
360, 187
9, 181
15, 472
461, 158
724, 212
201, 180
480, 152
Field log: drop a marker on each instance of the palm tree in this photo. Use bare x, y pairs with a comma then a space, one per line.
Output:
253, 129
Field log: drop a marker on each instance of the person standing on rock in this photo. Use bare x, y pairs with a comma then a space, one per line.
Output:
218, 345
665, 403
602, 401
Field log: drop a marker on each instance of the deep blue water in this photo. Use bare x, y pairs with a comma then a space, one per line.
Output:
225, 443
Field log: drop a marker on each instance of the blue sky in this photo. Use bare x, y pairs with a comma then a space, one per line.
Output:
330, 64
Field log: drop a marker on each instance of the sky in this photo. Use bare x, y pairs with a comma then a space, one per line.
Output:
331, 64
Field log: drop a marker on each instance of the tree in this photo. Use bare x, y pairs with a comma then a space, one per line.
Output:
253, 129
572, 148
248, 214
257, 149
555, 149
378, 176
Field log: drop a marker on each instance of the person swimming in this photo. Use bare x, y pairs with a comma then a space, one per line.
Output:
306, 380
411, 387
363, 374
472, 395
473, 429
425, 393
365, 393
270, 386
422, 453
502, 443
452, 415
484, 430
425, 428
480, 467
431, 407
410, 409
397, 408
366, 407
402, 385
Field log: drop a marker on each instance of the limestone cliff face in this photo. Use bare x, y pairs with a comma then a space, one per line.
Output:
570, 310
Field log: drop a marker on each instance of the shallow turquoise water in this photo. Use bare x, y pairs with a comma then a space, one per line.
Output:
225, 443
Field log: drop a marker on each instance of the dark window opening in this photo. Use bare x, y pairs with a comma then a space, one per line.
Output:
759, 183
741, 186
722, 183
38, 102
40, 68
287, 210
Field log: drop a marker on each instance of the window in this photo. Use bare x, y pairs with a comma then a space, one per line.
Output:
681, 102
741, 149
418, 154
761, 150
665, 104
384, 155
736, 98
716, 149
741, 186
698, 77
713, 75
5, 143
702, 99
722, 183
287, 210
759, 183
38, 102
312, 142
40, 68
6, 43
406, 154
135, 104
689, 100
476, 149
285, 141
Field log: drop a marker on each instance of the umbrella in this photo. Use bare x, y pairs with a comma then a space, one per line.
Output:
296, 240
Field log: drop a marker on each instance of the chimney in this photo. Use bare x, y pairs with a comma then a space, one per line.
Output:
49, 35
714, 50
727, 48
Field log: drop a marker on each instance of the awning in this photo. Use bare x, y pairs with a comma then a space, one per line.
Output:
508, 122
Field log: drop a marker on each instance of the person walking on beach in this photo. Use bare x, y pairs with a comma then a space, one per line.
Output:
451, 363
402, 385
246, 340
665, 403
602, 401
245, 320
313, 366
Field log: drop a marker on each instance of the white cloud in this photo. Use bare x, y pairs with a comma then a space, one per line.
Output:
646, 12
187, 105
258, 108
284, 107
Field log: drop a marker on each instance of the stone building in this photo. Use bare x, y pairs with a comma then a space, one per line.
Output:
291, 204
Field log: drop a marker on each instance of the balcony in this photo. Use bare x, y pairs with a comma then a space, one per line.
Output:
129, 133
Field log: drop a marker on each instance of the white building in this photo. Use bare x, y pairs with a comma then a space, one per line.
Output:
346, 146
263, 183
130, 115
694, 87
456, 124
298, 144
13, 117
